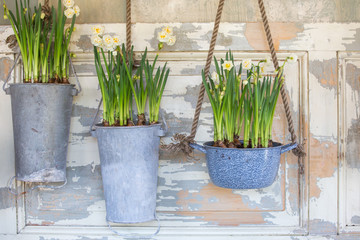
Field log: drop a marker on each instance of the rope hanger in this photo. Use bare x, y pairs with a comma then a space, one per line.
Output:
183, 140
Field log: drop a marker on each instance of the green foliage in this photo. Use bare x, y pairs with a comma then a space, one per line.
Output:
119, 86
242, 106
43, 44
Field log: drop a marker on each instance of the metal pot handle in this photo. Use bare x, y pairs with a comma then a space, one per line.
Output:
198, 147
92, 127
7, 90
75, 91
164, 128
288, 147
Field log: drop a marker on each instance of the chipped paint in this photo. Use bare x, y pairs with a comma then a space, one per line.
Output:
280, 31
5, 66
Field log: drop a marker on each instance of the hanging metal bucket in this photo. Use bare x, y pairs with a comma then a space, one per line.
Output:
129, 165
41, 121
238, 168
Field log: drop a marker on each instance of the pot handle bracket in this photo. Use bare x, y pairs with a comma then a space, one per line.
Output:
288, 147
198, 147
7, 89
93, 127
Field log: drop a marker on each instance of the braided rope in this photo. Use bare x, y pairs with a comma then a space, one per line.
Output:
207, 69
299, 150
182, 140
128, 25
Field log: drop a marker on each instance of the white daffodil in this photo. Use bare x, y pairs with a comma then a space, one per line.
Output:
116, 40
245, 82
171, 40
96, 40
292, 58
163, 36
77, 10
215, 77
227, 65
263, 67
69, 3
108, 41
98, 30
168, 30
246, 64
114, 53
69, 13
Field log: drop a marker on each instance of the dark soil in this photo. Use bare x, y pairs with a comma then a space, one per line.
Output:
141, 120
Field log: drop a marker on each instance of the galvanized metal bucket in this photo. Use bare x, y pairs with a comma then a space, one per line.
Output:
41, 121
129, 165
239, 168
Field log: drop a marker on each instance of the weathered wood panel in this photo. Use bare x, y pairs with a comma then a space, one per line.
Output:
349, 72
185, 195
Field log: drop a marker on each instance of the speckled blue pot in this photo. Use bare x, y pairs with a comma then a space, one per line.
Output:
239, 168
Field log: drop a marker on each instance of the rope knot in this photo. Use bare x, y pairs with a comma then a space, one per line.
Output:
181, 143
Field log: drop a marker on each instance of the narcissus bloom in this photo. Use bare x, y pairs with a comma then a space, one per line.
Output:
69, 13
77, 10
163, 36
171, 40
116, 40
69, 3
215, 77
246, 64
108, 40
227, 65
98, 30
168, 30
96, 40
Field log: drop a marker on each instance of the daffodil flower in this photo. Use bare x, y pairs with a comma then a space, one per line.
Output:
262, 67
98, 30
171, 40
69, 13
114, 53
116, 40
108, 41
168, 30
96, 40
215, 77
163, 36
227, 65
77, 10
246, 64
68, 3
245, 82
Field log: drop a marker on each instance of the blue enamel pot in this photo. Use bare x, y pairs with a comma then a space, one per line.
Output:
243, 168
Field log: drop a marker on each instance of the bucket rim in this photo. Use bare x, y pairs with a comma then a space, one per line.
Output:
41, 84
208, 145
101, 126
